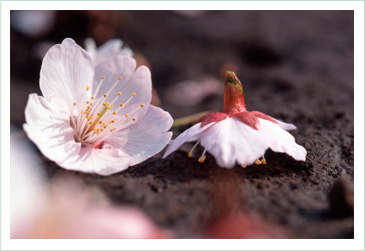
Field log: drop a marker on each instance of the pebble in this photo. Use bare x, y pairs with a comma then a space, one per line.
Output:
341, 197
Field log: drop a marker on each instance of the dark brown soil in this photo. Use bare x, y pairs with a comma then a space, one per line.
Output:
296, 66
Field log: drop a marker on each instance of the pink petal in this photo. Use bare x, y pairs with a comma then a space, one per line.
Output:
66, 70
138, 82
281, 141
145, 138
48, 126
191, 134
231, 141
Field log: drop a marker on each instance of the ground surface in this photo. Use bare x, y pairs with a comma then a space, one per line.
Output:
296, 66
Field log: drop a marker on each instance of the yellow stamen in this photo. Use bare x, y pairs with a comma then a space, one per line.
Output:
243, 166
74, 103
119, 93
134, 94
263, 161
202, 159
258, 162
120, 78
102, 77
106, 108
104, 95
121, 105
127, 115
142, 105
88, 87
190, 154
134, 119
92, 97
114, 113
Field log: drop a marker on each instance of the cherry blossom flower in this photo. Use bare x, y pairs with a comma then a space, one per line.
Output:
238, 135
95, 120
108, 50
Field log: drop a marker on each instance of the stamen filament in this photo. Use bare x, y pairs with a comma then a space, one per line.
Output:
190, 154
107, 107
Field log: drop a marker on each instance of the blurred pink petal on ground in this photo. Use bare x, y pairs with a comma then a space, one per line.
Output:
192, 92
92, 217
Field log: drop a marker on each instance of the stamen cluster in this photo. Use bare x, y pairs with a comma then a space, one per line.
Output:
96, 119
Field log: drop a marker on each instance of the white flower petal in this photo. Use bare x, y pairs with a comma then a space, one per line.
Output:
146, 137
66, 70
108, 50
90, 47
48, 126
133, 82
286, 126
231, 141
281, 141
191, 134
104, 161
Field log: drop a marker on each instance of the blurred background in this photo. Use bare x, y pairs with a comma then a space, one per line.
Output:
296, 66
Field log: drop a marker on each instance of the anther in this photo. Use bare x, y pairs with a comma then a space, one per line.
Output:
102, 77
121, 105
114, 113
92, 97
104, 95
74, 103
258, 162
243, 166
134, 119
190, 154
263, 161
134, 94
120, 78
202, 159
142, 105
127, 115
88, 87
119, 93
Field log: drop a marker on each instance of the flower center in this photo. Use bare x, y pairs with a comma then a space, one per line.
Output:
95, 118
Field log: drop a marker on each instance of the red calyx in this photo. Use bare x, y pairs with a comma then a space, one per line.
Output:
234, 106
